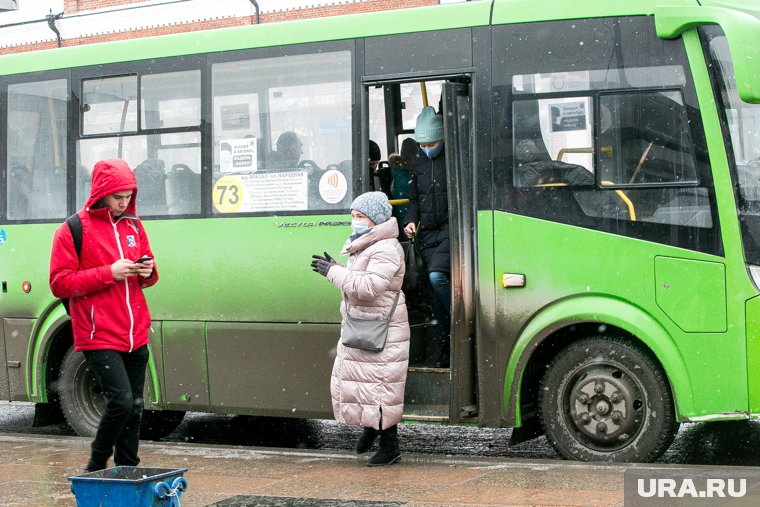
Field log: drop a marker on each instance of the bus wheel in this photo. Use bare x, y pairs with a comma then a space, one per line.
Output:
604, 399
82, 400
157, 424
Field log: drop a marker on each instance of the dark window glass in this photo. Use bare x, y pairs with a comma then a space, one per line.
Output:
597, 125
741, 123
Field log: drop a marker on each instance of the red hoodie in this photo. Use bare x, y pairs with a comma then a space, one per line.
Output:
105, 314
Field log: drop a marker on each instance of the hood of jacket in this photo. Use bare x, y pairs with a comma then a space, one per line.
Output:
386, 230
110, 177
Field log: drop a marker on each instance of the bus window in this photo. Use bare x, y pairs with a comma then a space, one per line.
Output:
167, 168
36, 143
171, 100
109, 105
742, 122
630, 139
646, 139
282, 133
412, 101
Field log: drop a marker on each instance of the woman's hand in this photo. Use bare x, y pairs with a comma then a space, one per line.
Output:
321, 264
410, 229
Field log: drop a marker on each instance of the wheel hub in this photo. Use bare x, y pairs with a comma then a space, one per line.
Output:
604, 405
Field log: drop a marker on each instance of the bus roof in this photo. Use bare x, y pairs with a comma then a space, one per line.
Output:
440, 17
749, 6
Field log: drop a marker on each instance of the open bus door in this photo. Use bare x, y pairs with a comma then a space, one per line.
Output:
457, 109
446, 395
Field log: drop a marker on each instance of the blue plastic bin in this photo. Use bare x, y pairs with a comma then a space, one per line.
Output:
129, 486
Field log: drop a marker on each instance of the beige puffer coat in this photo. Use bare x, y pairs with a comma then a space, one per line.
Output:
367, 386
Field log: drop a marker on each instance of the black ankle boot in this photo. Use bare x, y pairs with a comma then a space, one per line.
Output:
93, 466
389, 452
367, 440
444, 352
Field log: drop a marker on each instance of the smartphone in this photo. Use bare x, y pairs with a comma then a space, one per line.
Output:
142, 259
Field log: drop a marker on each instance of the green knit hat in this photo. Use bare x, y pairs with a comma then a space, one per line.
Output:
429, 127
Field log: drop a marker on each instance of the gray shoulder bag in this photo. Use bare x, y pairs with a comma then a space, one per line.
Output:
366, 334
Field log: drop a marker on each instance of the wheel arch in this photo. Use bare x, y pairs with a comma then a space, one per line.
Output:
566, 321
51, 338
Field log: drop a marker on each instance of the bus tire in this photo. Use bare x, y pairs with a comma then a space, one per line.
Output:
83, 403
82, 400
606, 399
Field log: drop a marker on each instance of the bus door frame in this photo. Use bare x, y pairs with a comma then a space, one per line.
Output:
458, 146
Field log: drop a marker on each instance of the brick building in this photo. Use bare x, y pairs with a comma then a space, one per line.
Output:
46, 24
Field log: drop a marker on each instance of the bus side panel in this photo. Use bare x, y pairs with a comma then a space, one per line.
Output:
271, 369
623, 269
17, 332
753, 355
4, 390
184, 362
490, 382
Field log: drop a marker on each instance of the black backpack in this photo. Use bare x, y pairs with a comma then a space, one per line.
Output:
75, 226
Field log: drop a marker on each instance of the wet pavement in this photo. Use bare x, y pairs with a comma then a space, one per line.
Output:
34, 471
244, 461
727, 443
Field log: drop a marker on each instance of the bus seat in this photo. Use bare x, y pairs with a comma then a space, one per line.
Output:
19, 188
184, 190
151, 184
56, 193
553, 172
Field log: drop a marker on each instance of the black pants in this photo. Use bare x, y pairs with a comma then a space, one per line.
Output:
121, 376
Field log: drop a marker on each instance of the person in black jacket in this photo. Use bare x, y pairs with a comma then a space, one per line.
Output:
428, 218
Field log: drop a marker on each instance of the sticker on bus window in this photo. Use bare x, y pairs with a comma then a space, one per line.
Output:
568, 116
238, 155
275, 191
3, 237
333, 186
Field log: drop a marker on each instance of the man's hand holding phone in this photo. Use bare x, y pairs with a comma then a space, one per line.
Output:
144, 266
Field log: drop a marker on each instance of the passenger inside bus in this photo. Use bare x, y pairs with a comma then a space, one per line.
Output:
288, 153
400, 164
379, 172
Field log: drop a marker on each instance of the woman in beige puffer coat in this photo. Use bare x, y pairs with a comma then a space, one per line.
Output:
367, 387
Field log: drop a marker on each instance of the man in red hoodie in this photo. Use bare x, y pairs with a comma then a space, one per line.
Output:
109, 314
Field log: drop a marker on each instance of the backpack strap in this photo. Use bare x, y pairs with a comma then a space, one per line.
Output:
75, 226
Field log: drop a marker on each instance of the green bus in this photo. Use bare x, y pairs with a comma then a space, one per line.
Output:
603, 168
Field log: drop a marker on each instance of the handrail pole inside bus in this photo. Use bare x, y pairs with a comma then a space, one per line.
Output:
423, 90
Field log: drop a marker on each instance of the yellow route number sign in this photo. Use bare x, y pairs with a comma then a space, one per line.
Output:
227, 194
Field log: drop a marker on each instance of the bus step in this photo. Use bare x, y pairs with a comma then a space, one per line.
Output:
428, 386
426, 413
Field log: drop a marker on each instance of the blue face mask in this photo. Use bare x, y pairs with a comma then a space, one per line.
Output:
433, 152
359, 226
